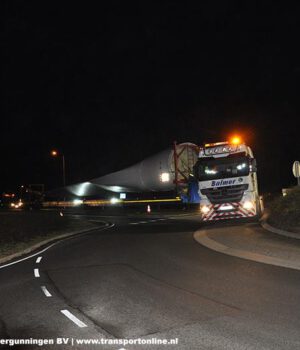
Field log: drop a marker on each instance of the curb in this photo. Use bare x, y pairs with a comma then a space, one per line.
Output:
45, 242
278, 231
202, 238
268, 227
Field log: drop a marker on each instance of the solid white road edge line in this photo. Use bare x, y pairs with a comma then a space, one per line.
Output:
28, 257
38, 260
50, 246
36, 273
46, 292
73, 318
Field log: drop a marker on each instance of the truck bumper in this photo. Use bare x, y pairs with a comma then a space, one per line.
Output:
235, 211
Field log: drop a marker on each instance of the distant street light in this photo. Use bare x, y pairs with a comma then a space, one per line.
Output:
55, 153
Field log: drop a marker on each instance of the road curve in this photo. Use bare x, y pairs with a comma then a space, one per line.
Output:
150, 278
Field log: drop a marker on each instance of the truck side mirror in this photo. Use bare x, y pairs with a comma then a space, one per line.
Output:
253, 165
198, 170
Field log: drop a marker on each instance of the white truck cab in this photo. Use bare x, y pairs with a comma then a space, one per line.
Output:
226, 172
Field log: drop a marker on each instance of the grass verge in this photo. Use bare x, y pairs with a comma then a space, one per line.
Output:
285, 211
21, 230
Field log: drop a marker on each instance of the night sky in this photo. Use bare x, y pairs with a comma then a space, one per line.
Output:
112, 84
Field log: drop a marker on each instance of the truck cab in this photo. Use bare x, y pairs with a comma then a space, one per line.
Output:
226, 173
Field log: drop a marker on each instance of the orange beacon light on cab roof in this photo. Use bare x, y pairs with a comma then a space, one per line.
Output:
235, 140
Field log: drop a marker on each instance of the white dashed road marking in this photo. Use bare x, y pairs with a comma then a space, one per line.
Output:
73, 318
46, 292
36, 273
38, 260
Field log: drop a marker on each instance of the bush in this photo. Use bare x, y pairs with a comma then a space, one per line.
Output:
285, 211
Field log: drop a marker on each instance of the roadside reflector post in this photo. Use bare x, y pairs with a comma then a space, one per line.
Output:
296, 171
148, 209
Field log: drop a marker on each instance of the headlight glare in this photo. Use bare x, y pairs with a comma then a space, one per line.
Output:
248, 205
204, 209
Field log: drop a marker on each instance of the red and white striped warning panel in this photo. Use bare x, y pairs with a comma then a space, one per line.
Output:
234, 211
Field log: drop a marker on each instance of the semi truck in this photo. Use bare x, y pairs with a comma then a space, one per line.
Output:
226, 174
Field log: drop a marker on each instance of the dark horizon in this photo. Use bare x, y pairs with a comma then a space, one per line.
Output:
109, 86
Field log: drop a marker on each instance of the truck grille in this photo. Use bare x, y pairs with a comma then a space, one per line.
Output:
225, 194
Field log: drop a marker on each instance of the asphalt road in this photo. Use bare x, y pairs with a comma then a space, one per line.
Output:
149, 279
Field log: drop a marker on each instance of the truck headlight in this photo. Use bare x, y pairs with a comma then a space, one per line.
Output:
248, 205
204, 209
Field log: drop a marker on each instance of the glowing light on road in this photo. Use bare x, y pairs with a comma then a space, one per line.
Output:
77, 201
114, 200
16, 205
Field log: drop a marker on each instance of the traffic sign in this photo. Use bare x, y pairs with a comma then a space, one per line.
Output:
296, 170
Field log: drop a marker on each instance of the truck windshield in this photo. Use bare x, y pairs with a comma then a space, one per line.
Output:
220, 168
